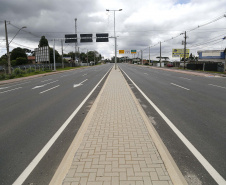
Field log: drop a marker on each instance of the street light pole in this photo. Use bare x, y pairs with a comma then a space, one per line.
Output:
7, 45
160, 55
7, 48
115, 36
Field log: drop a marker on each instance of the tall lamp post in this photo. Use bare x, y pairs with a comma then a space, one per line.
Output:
115, 35
7, 45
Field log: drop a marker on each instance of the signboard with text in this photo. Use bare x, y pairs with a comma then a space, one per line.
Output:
180, 53
133, 51
121, 51
42, 54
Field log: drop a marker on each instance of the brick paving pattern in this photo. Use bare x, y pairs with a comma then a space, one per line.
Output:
117, 147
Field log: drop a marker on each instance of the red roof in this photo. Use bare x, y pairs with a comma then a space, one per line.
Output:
31, 57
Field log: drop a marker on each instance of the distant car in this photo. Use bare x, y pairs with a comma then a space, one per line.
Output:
169, 65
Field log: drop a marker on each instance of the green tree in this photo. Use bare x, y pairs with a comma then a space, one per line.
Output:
18, 52
21, 61
57, 56
3, 60
83, 57
28, 51
43, 42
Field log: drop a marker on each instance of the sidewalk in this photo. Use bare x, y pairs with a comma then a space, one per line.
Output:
114, 144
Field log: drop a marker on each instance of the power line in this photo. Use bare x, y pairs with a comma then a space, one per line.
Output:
199, 26
24, 30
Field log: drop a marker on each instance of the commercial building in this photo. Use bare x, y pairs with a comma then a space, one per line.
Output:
212, 56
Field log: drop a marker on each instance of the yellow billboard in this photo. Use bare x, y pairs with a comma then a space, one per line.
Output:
180, 53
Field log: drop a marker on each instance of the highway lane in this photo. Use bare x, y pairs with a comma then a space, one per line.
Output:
196, 106
33, 110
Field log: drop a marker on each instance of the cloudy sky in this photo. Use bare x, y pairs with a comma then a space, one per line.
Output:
140, 24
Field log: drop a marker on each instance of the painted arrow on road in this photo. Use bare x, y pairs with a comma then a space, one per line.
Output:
39, 86
77, 85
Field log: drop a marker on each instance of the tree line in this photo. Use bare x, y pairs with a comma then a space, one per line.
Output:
19, 56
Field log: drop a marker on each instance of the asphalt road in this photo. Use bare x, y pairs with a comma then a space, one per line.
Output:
33, 110
196, 106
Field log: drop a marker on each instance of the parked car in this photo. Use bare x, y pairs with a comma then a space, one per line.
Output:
169, 65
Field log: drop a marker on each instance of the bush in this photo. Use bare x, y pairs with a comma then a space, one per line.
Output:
30, 70
18, 72
47, 70
12, 76
3, 77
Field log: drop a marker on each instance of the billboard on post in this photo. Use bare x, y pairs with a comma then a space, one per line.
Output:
180, 53
42, 54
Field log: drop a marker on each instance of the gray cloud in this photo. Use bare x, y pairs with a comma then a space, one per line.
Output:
140, 24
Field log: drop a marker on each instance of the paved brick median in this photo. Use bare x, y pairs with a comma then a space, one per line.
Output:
117, 147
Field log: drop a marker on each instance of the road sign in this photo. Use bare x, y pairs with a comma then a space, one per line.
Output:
71, 38
102, 37
133, 51
86, 37
121, 51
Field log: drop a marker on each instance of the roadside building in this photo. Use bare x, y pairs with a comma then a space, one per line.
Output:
209, 60
211, 56
68, 59
31, 59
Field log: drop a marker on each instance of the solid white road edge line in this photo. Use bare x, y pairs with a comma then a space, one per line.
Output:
213, 173
180, 86
23, 176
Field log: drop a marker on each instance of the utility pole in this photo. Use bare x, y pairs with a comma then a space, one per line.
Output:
185, 37
142, 57
54, 59
87, 57
62, 53
160, 54
77, 35
79, 57
7, 48
149, 55
94, 58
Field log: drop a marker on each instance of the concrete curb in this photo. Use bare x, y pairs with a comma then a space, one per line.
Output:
173, 170
65, 164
